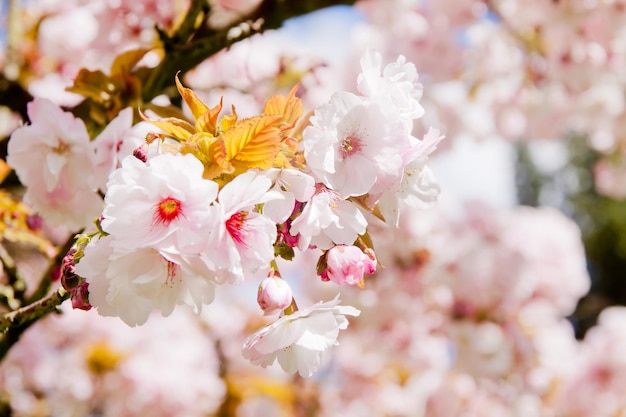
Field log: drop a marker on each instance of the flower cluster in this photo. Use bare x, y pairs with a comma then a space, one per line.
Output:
217, 199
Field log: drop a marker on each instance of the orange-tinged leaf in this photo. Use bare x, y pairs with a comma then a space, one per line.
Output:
253, 142
296, 133
229, 120
289, 106
95, 85
5, 170
126, 61
208, 121
180, 129
211, 152
197, 106
281, 161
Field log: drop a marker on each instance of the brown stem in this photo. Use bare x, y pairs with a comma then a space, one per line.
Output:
37, 306
23, 317
13, 324
204, 43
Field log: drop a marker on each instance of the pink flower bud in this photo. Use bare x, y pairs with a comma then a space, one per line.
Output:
274, 295
346, 265
80, 296
141, 153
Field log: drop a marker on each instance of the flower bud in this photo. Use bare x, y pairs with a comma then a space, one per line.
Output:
346, 265
274, 295
67, 272
80, 296
141, 153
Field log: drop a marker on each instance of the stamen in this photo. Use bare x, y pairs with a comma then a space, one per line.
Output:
350, 145
167, 210
236, 226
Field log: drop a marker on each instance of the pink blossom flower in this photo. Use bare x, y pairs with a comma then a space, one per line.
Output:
609, 177
54, 160
482, 349
346, 265
598, 385
299, 340
495, 262
274, 295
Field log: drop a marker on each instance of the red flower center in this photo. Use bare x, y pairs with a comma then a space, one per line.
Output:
167, 210
236, 226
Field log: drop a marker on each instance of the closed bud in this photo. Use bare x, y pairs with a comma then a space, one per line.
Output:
274, 295
80, 296
346, 265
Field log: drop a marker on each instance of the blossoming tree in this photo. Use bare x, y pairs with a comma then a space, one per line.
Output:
168, 162
215, 198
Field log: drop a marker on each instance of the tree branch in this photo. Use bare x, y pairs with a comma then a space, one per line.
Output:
13, 324
37, 306
23, 317
187, 55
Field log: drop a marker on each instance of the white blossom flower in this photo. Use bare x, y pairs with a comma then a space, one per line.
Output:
54, 161
246, 237
164, 203
132, 284
355, 146
299, 340
114, 143
418, 187
398, 83
290, 185
327, 219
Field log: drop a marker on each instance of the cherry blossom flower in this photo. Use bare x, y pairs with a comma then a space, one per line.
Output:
80, 364
398, 82
114, 143
596, 388
164, 203
299, 340
246, 237
355, 146
418, 187
290, 185
328, 219
53, 159
132, 284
